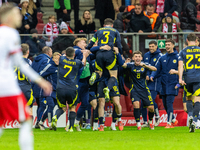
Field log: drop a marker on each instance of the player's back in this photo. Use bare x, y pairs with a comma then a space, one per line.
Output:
68, 71
10, 44
106, 36
191, 58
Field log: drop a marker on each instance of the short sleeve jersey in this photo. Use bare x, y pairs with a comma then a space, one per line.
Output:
68, 71
138, 75
191, 60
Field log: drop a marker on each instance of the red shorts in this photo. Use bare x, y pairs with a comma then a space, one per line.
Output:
13, 108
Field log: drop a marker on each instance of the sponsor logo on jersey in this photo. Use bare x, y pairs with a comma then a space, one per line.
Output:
174, 61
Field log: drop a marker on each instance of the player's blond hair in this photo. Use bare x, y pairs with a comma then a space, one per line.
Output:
56, 53
78, 40
25, 48
5, 9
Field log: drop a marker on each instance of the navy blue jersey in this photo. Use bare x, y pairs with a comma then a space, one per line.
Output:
67, 72
138, 75
22, 79
107, 36
191, 60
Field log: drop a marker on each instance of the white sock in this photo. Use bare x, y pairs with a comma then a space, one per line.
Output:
41, 122
68, 122
173, 120
95, 124
150, 121
119, 119
145, 122
138, 124
1, 131
113, 124
25, 137
169, 123
77, 122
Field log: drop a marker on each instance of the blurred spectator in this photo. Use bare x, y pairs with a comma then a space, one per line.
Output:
122, 25
181, 6
104, 10
32, 10
49, 29
169, 25
189, 17
75, 5
154, 18
163, 7
62, 7
66, 19
35, 44
27, 19
122, 8
62, 42
85, 24
139, 22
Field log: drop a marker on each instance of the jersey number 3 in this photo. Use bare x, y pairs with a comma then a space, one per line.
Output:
106, 33
70, 69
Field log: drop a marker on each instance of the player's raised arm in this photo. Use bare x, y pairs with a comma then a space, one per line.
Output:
152, 68
85, 55
92, 41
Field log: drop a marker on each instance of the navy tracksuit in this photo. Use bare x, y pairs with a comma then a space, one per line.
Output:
168, 82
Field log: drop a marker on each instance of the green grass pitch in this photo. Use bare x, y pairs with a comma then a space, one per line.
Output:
130, 138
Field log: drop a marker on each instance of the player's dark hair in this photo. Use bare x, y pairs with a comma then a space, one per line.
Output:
45, 49
25, 48
150, 5
6, 8
170, 40
153, 42
198, 39
108, 21
138, 4
137, 52
191, 37
70, 52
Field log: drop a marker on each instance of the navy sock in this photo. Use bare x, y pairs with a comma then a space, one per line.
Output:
144, 113
59, 112
95, 115
151, 114
41, 108
114, 115
111, 82
44, 117
196, 111
189, 106
72, 116
101, 120
137, 114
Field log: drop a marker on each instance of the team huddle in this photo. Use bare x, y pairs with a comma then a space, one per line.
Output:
92, 75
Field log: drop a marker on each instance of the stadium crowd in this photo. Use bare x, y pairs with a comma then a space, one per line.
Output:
91, 73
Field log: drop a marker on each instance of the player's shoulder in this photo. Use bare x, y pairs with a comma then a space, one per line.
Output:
9, 32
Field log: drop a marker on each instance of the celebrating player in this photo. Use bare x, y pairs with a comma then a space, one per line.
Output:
12, 101
139, 88
189, 59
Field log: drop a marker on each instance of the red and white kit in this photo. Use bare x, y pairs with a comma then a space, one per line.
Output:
12, 102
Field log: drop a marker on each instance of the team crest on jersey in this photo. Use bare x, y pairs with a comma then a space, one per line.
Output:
142, 69
174, 61
154, 59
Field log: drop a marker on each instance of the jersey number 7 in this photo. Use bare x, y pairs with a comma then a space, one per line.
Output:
70, 69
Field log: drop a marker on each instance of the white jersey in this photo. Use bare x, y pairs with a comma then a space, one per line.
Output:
9, 47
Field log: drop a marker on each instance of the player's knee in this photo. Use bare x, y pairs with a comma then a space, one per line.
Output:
136, 105
151, 108
94, 104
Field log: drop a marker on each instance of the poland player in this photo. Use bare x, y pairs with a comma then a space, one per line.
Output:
12, 101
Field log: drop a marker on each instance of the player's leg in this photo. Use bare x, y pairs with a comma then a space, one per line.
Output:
157, 116
144, 115
93, 103
88, 116
1, 131
136, 111
72, 116
101, 113
114, 119
41, 110
118, 110
84, 98
99, 65
95, 118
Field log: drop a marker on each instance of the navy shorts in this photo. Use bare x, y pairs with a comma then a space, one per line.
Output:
113, 92
192, 89
143, 95
28, 93
105, 60
68, 95
92, 92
